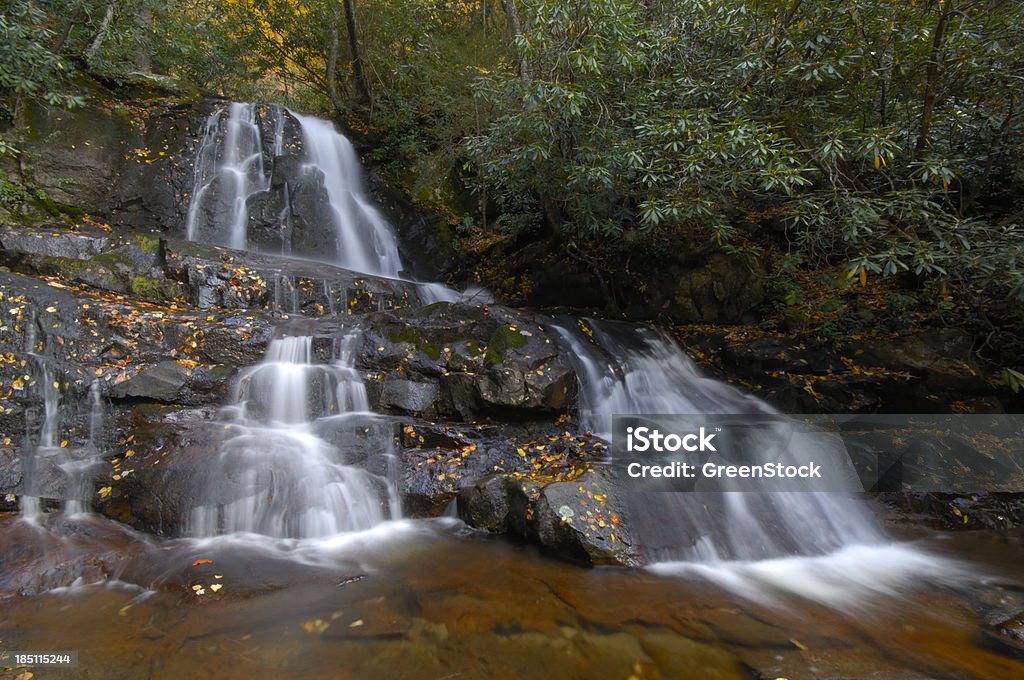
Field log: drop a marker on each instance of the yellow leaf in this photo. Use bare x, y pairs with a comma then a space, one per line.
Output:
878, 162
105, 491
64, 443
316, 626
216, 586
863, 276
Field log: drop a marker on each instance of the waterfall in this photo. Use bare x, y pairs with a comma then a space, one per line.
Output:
46, 443
366, 242
273, 180
226, 175
235, 165
283, 471
627, 369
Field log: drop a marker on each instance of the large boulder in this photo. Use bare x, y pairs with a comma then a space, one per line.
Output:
485, 360
127, 164
583, 521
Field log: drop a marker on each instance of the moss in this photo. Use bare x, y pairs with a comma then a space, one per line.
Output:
147, 287
149, 243
506, 337
69, 266
112, 259
435, 306
414, 336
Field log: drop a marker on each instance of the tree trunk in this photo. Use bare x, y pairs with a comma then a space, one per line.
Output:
101, 35
931, 80
332, 59
516, 28
357, 61
144, 22
65, 33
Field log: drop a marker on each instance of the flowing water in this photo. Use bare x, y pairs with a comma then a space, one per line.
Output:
822, 545
366, 242
227, 173
283, 472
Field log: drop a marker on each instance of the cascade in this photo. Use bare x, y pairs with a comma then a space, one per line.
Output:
629, 369
283, 471
228, 170
299, 425
81, 465
259, 161
366, 242
46, 444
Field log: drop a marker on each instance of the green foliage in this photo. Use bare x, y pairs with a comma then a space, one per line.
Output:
880, 133
28, 69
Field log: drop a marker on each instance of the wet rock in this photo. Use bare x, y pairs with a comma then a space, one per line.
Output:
294, 215
272, 120
53, 243
128, 263
422, 434
175, 383
489, 503
952, 511
408, 396
33, 560
10, 471
725, 289
162, 480
941, 361
1006, 637
781, 354
486, 360
582, 521
233, 279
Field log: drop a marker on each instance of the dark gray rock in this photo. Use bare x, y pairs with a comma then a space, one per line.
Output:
10, 471
781, 354
409, 396
485, 505
51, 243
214, 276
582, 521
486, 360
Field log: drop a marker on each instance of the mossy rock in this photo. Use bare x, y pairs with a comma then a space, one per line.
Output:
415, 337
505, 337
147, 287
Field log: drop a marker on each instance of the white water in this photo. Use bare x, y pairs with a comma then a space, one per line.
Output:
236, 166
816, 544
46, 443
81, 465
366, 242
230, 170
282, 471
